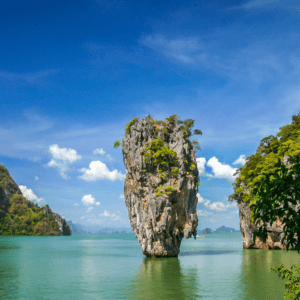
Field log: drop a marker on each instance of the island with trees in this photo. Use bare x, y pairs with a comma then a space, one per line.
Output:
19, 216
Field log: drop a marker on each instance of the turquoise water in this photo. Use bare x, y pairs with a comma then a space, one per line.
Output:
111, 266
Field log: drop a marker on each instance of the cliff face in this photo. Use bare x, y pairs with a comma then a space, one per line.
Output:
19, 216
274, 237
160, 185
7, 187
63, 226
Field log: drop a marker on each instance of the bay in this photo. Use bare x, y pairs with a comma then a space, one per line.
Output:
111, 266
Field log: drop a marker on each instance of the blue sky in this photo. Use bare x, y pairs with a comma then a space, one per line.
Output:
74, 73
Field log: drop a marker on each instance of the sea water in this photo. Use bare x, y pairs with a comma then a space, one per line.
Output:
111, 266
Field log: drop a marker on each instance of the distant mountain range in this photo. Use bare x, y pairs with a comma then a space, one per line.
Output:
79, 229
219, 230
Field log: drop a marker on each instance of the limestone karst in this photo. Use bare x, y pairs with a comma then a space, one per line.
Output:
284, 145
19, 216
161, 183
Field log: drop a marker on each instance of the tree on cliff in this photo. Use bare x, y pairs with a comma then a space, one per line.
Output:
272, 189
277, 196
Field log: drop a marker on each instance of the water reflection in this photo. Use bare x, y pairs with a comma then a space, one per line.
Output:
205, 252
164, 278
259, 282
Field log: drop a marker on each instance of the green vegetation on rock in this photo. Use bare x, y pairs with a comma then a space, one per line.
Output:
23, 217
19, 216
263, 162
272, 189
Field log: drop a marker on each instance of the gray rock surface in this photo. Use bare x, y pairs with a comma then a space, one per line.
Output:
160, 221
63, 226
7, 187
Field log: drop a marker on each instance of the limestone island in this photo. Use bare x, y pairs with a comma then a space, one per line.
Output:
19, 216
161, 183
283, 146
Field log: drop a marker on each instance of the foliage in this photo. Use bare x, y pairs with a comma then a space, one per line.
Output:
162, 155
164, 189
197, 131
292, 284
276, 197
117, 144
263, 162
273, 191
132, 122
22, 217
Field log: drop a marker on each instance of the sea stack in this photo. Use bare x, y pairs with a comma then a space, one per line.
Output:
161, 183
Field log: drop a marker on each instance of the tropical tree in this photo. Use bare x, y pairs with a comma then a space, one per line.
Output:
277, 196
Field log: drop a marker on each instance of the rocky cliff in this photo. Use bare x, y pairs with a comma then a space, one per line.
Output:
247, 228
161, 183
8, 187
285, 144
19, 216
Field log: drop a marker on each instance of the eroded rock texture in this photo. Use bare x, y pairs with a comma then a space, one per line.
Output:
160, 190
274, 238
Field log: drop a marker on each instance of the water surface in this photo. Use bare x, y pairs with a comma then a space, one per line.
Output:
111, 266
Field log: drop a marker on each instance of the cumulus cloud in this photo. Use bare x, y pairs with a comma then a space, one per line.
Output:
221, 170
201, 161
111, 216
216, 206
76, 204
89, 200
36, 178
99, 151
29, 194
241, 160
64, 154
98, 171
61, 158
121, 196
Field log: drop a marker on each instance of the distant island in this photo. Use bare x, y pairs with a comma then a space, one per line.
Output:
222, 229
19, 216
226, 229
80, 229
207, 231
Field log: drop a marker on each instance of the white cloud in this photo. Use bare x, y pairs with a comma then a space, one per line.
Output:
221, 170
83, 217
112, 216
88, 200
61, 166
201, 161
76, 204
99, 151
203, 213
90, 209
98, 171
216, 206
36, 178
64, 154
61, 158
121, 196
29, 194
241, 160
